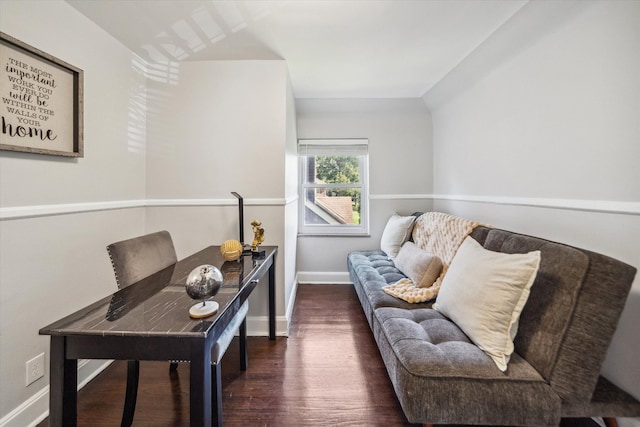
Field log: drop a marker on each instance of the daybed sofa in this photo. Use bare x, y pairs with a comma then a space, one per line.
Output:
441, 377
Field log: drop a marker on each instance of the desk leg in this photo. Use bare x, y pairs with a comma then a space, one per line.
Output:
200, 384
131, 395
272, 300
63, 385
216, 383
243, 345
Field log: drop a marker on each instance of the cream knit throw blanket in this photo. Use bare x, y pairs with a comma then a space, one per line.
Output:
440, 234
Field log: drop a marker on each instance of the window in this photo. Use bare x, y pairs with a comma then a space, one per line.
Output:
334, 198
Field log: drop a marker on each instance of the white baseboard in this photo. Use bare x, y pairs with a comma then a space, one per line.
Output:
35, 409
323, 277
292, 303
31, 412
628, 422
258, 326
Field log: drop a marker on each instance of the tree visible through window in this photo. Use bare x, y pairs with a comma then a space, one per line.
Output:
333, 186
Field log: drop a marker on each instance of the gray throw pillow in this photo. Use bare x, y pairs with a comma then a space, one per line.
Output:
422, 267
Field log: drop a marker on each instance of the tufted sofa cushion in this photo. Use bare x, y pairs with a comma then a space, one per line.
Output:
433, 363
372, 270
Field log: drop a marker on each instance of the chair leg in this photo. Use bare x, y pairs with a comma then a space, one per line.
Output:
216, 394
610, 421
173, 366
244, 360
133, 374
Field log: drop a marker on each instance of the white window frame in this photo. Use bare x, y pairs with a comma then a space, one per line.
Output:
334, 147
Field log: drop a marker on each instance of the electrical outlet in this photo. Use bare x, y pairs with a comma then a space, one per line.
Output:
35, 368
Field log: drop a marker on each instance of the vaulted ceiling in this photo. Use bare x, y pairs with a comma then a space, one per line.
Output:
333, 48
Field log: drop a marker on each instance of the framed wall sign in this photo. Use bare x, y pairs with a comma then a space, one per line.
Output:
42, 107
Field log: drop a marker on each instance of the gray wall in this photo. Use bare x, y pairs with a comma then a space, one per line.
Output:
537, 131
51, 263
163, 150
215, 127
400, 170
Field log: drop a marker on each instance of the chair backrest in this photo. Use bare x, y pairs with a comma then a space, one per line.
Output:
139, 257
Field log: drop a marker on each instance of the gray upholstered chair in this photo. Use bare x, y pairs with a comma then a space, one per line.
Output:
139, 257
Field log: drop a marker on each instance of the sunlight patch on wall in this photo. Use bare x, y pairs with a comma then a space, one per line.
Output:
205, 26
178, 41
231, 15
142, 98
186, 33
209, 27
137, 109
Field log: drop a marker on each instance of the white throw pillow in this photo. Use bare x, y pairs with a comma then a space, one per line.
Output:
422, 267
396, 232
484, 293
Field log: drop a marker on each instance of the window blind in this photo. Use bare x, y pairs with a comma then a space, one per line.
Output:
333, 147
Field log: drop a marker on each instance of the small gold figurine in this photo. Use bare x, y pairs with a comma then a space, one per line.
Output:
258, 234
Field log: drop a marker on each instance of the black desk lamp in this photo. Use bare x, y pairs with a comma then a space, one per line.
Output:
241, 222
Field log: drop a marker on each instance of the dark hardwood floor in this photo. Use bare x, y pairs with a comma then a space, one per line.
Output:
328, 372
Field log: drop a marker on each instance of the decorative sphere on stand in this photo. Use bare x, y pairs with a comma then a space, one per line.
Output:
203, 282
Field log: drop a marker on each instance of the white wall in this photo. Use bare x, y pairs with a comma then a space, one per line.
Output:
165, 144
400, 169
543, 113
215, 127
54, 264
537, 131
290, 247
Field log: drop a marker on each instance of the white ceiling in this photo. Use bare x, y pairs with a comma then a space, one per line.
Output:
333, 48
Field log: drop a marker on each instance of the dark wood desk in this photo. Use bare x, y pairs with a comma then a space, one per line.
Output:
150, 321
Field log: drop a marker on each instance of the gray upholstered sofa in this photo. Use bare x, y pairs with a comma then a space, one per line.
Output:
441, 377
